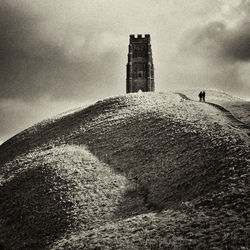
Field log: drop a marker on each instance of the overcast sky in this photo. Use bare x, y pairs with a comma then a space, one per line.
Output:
59, 54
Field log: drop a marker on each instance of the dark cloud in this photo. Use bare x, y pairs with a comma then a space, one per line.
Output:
236, 43
31, 66
221, 42
23, 56
224, 41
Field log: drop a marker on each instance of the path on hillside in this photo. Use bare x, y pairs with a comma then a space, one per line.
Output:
235, 122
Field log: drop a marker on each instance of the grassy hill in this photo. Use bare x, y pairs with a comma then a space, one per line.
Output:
140, 171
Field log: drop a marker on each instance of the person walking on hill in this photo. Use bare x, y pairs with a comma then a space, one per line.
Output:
200, 96
203, 96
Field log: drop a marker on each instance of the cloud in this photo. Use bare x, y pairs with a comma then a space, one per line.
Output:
39, 57
223, 42
236, 43
23, 56
218, 53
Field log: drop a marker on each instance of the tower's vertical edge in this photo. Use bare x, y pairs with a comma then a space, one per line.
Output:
140, 67
129, 68
151, 84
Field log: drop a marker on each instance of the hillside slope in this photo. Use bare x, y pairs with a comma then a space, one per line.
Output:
131, 172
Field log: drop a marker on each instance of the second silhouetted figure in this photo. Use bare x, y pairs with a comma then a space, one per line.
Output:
203, 96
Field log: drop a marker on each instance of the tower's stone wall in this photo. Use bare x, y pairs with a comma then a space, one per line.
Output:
140, 67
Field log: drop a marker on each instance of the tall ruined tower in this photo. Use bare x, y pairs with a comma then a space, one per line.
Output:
140, 67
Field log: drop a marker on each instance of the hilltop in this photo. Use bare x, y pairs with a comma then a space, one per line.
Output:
140, 171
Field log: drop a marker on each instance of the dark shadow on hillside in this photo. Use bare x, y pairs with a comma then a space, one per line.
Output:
161, 157
33, 212
135, 202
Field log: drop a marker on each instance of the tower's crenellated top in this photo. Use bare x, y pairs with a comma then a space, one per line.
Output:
140, 38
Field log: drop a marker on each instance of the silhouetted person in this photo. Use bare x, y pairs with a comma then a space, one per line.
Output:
203, 96
200, 95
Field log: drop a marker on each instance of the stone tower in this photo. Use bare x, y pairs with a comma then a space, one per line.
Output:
140, 67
